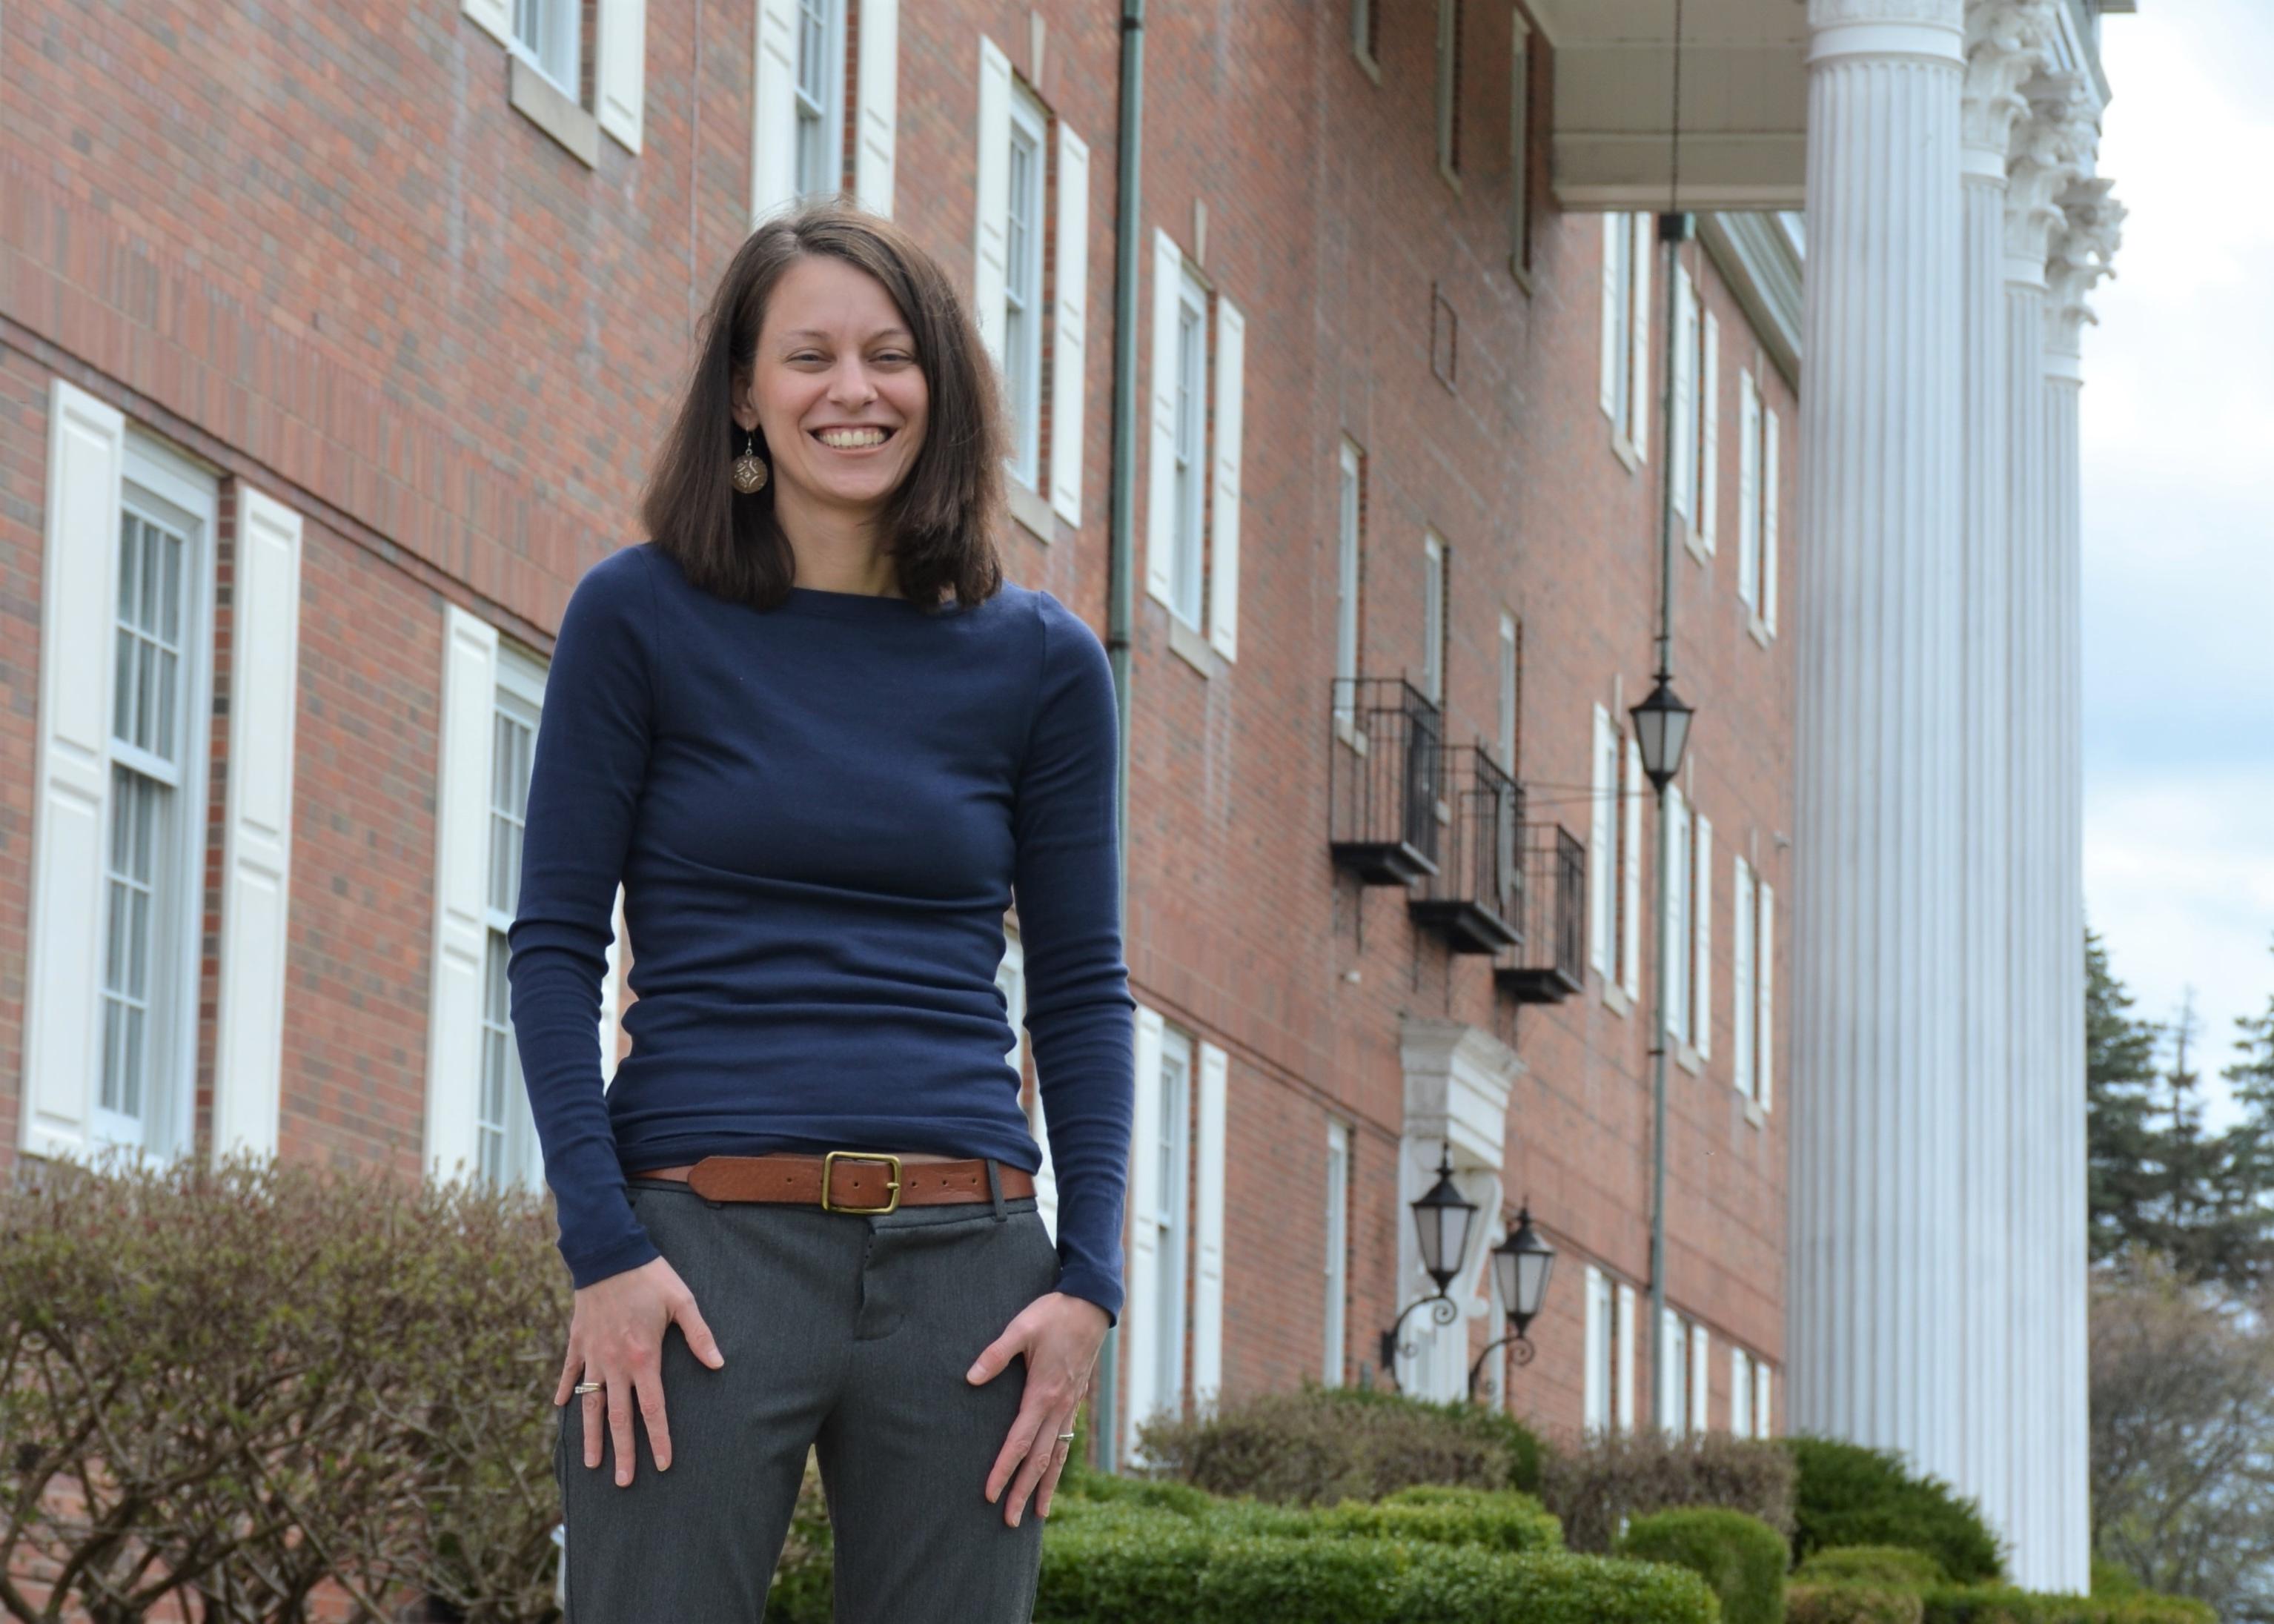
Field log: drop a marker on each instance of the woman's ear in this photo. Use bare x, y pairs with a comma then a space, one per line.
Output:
746, 416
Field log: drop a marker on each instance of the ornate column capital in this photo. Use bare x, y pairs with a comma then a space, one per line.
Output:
2082, 250
2005, 42
2051, 147
1932, 29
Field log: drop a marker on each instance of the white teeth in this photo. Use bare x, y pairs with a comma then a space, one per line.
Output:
864, 437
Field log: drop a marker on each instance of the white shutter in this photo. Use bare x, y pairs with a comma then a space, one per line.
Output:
1682, 445
773, 127
620, 69
1701, 942
495, 16
461, 938
1161, 484
78, 597
1208, 1248
1748, 501
990, 274
1223, 518
1630, 932
1740, 1392
1709, 460
1600, 876
1638, 391
1765, 1033
1139, 1292
257, 841
1624, 1377
1608, 395
1743, 995
1762, 1390
1596, 1390
1769, 506
1673, 950
1068, 371
1700, 1390
876, 153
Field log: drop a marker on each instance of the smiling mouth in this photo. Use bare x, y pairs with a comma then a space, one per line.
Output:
857, 446
851, 437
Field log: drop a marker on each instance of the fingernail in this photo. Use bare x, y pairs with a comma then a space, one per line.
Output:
972, 1374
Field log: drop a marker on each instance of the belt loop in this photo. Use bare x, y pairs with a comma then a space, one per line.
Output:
994, 1190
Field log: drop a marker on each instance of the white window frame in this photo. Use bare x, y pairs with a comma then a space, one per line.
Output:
1603, 847
1753, 996
1519, 136
1599, 1380
1758, 454
1167, 1140
161, 489
1763, 1395
1741, 1392
1631, 866
1448, 36
1347, 519
819, 123
549, 35
1674, 950
1624, 387
1511, 649
1674, 1377
1361, 34
1433, 617
1025, 316
1337, 1265
1190, 471
505, 1132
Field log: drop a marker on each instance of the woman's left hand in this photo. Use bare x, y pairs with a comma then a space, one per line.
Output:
1060, 1335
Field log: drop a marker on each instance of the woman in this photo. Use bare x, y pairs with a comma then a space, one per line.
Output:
822, 742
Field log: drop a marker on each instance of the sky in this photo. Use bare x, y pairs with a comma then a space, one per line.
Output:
2177, 424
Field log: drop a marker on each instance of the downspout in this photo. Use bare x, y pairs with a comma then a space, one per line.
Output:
1121, 546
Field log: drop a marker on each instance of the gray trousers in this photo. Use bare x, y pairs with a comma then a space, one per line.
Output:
848, 1333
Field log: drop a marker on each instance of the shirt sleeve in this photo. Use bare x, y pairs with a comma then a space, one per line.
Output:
1067, 887
585, 778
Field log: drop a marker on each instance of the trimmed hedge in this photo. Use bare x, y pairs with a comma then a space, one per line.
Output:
1742, 1557
1893, 1567
1600, 1481
1849, 1495
1999, 1605
1851, 1604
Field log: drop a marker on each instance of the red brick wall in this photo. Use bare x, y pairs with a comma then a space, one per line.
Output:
341, 266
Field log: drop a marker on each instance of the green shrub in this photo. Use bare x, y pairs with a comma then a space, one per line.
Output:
1319, 1445
1850, 1603
2110, 1583
1604, 1479
1893, 1567
1989, 1603
1849, 1495
1741, 1557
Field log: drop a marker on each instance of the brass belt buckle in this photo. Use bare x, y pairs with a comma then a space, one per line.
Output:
829, 1160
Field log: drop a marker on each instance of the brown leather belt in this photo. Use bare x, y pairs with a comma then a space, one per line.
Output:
845, 1181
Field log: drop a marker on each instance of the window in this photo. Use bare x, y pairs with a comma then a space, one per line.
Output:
1164, 1142
1337, 1281
505, 1133
1675, 951
1192, 562
820, 122
1615, 859
1763, 1391
1674, 1377
1740, 1392
1688, 948
547, 33
1752, 950
1519, 133
1346, 577
1433, 618
1449, 91
1695, 433
823, 87
1022, 289
1598, 1413
1757, 435
1625, 390
1700, 1378
1510, 686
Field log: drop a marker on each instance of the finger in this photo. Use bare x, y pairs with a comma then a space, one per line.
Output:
620, 1426
696, 1330
565, 1389
996, 1354
594, 1402
650, 1404
1032, 1413
1042, 1456
1061, 1452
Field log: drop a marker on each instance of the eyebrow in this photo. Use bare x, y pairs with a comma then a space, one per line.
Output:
817, 333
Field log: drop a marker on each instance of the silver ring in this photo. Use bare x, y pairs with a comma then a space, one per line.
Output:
1063, 1437
588, 1387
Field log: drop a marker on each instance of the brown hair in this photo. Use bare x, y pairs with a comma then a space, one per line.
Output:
942, 518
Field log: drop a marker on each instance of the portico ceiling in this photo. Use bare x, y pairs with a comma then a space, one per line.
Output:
1745, 99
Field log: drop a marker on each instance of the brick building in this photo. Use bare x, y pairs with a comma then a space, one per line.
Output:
330, 358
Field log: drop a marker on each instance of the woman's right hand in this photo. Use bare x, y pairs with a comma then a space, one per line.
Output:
616, 1338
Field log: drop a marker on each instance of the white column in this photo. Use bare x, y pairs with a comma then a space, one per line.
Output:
2004, 42
2082, 245
1877, 1084
2044, 161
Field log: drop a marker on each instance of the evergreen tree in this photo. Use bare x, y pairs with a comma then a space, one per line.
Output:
2123, 1178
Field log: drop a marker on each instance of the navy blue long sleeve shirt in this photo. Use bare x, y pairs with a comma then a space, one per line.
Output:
820, 814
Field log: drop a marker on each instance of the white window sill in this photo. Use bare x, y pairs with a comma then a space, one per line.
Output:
1615, 997
1191, 647
1754, 1114
1699, 547
1688, 1058
1450, 178
541, 101
1027, 506
1366, 64
1757, 630
1346, 730
1623, 449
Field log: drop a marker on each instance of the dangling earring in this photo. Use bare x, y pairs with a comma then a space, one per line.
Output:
750, 467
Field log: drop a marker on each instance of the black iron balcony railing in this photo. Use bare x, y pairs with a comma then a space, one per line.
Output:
1547, 966
1474, 899
1383, 793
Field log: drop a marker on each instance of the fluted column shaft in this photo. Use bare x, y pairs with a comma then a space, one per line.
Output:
1876, 1208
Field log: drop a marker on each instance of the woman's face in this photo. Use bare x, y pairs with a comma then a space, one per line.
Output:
833, 353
